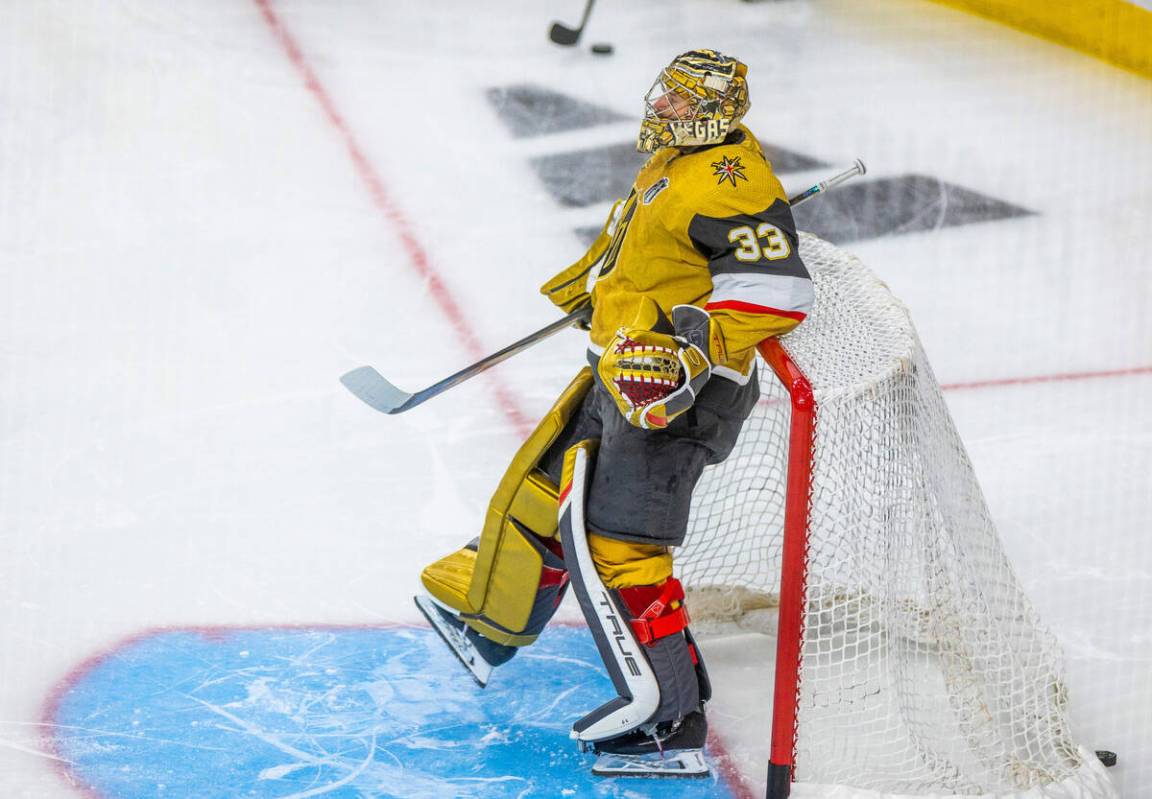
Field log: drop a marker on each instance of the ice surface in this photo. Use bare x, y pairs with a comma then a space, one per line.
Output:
199, 235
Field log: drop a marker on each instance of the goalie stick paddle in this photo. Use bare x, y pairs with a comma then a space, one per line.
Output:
379, 393
563, 35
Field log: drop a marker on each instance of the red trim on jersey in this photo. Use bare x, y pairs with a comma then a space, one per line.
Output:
748, 307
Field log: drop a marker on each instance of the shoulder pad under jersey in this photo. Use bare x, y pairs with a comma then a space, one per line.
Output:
729, 178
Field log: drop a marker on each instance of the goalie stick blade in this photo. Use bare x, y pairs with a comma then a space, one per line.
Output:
374, 390
671, 763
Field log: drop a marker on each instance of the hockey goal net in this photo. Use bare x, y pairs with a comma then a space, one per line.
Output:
909, 662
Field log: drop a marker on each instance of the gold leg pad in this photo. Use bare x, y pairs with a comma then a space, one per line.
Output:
448, 579
535, 504
512, 580
526, 489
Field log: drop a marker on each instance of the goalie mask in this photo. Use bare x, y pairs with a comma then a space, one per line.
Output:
697, 99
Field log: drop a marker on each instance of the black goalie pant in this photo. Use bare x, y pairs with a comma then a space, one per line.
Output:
641, 488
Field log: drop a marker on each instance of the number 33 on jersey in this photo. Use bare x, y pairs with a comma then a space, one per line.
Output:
749, 250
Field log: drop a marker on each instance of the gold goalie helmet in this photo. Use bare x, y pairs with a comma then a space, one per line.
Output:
697, 99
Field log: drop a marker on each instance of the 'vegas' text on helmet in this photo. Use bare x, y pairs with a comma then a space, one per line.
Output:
697, 99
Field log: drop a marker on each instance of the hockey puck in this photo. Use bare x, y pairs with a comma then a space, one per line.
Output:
603, 49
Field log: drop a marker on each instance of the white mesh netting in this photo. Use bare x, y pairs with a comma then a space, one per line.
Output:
924, 668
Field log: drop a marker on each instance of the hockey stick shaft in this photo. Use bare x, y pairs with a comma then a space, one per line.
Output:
375, 390
857, 168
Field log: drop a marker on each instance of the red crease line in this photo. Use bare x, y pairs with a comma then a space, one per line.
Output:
728, 769
417, 254
1019, 381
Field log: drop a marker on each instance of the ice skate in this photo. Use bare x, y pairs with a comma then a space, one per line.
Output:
478, 654
668, 749
669, 763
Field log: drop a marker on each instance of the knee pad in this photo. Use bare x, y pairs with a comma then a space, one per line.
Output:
640, 631
507, 583
621, 564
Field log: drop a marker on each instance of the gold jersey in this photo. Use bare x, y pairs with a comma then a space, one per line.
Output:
709, 227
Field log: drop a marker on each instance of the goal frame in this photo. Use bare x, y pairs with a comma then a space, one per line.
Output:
858, 517
794, 557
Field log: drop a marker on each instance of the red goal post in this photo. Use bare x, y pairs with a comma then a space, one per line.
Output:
792, 572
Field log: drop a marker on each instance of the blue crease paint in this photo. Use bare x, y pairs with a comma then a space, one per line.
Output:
341, 713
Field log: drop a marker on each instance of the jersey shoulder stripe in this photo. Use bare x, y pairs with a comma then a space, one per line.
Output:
782, 295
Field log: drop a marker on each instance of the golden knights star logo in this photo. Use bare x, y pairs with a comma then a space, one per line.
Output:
729, 169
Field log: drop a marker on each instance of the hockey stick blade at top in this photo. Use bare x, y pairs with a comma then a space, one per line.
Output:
563, 35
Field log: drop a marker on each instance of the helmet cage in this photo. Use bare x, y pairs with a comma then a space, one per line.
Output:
696, 100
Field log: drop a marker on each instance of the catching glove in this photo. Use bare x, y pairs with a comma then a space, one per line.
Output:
653, 376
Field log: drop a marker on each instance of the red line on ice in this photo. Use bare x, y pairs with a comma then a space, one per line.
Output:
417, 255
727, 767
1019, 381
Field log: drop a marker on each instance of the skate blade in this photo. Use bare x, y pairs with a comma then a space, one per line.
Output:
477, 666
671, 763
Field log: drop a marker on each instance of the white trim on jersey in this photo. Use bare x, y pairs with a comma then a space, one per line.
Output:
771, 292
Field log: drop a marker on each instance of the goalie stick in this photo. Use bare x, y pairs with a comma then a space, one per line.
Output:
376, 391
372, 387
857, 168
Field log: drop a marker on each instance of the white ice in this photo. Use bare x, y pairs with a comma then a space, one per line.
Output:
190, 256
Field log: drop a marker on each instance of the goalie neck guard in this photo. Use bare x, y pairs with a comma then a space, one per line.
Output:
697, 99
